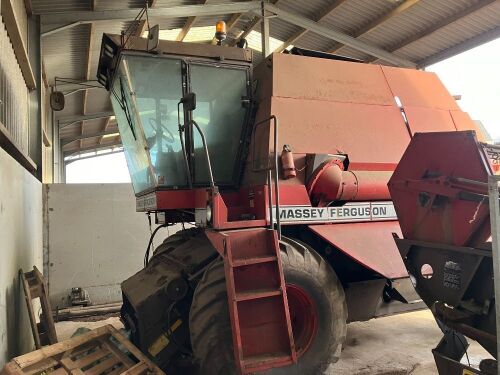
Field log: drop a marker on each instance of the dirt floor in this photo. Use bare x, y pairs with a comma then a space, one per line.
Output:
395, 345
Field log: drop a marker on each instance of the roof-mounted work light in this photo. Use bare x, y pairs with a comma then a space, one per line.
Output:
220, 32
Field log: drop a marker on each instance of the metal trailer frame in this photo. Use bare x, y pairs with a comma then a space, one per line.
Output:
448, 222
493, 182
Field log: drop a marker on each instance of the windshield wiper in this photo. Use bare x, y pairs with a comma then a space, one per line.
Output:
124, 106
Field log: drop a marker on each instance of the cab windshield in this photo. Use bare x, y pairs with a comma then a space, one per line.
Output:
146, 95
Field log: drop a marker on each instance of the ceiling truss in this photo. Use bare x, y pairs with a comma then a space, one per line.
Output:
253, 11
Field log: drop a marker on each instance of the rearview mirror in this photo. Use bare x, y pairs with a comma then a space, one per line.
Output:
189, 101
153, 38
57, 101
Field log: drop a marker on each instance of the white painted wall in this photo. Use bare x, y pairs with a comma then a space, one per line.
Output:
20, 247
95, 240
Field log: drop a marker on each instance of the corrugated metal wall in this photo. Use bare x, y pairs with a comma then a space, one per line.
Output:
21, 193
13, 92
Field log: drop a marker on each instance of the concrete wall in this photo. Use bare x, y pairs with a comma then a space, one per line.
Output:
95, 240
20, 247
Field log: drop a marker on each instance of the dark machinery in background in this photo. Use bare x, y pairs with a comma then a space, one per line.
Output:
440, 193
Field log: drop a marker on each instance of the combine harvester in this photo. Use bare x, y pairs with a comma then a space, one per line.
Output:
440, 192
284, 170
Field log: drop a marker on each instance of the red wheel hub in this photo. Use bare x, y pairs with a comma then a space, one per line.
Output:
303, 316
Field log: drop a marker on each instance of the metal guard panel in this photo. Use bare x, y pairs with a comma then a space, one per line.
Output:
370, 244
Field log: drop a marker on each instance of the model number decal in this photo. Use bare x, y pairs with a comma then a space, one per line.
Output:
146, 202
363, 211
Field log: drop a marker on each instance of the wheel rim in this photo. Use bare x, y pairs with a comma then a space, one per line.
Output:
303, 316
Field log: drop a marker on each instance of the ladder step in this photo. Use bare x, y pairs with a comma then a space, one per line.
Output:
252, 364
254, 260
256, 294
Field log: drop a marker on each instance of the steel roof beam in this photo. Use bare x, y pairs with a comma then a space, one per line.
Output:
92, 148
87, 74
319, 17
188, 25
142, 24
111, 152
67, 120
233, 20
67, 141
68, 88
13, 28
252, 24
185, 29
404, 6
104, 128
439, 25
57, 29
248, 29
338, 36
160, 12
29, 7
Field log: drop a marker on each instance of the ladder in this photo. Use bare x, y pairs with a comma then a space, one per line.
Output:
258, 306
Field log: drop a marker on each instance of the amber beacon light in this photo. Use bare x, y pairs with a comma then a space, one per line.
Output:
220, 32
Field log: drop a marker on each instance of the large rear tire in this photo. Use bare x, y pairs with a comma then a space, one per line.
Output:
317, 308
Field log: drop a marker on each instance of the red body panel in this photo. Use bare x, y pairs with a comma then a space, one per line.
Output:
370, 244
336, 106
424, 177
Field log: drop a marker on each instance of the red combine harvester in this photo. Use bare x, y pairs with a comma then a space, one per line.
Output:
440, 192
284, 171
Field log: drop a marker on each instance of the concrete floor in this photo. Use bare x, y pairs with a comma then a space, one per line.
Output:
395, 345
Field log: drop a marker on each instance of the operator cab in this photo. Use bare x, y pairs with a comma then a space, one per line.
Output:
167, 99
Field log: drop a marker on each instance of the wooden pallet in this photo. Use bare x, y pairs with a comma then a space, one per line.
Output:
103, 351
35, 286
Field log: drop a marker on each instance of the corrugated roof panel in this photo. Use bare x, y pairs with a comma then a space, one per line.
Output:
65, 53
167, 23
98, 101
422, 16
353, 14
240, 25
281, 30
309, 9
119, 4
351, 52
466, 28
94, 126
73, 104
210, 20
200, 34
51, 6
313, 41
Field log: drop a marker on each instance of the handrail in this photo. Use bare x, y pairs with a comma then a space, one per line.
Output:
269, 176
212, 183
183, 146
